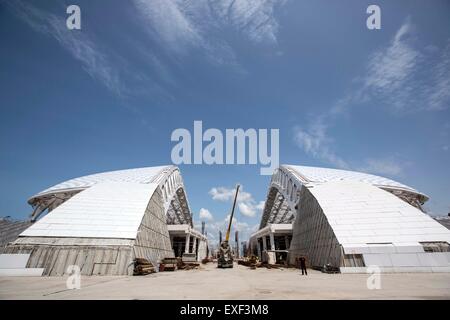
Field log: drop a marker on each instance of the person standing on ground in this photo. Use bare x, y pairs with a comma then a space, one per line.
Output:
303, 266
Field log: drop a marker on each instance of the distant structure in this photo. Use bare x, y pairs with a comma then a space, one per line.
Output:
220, 236
244, 248
203, 227
445, 221
10, 230
237, 244
350, 220
102, 222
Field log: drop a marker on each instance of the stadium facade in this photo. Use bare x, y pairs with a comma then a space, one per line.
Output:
350, 221
102, 222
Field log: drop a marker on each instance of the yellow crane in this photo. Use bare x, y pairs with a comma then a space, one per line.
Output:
225, 259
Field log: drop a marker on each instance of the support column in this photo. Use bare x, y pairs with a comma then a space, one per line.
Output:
258, 248
188, 238
272, 241
194, 244
286, 240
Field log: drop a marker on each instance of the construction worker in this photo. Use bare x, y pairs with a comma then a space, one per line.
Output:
303, 265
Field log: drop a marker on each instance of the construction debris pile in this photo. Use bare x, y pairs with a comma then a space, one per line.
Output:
187, 265
173, 264
252, 262
168, 264
207, 260
142, 267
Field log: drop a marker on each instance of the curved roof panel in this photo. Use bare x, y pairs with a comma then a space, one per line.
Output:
139, 175
320, 175
106, 210
362, 214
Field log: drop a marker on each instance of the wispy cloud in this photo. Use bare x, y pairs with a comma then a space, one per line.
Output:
94, 61
439, 91
405, 77
184, 25
399, 77
316, 142
386, 166
179, 28
254, 18
245, 201
102, 64
389, 68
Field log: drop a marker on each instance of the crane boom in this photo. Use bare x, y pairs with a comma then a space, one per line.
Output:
227, 237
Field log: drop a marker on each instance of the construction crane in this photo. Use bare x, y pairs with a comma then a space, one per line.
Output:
225, 259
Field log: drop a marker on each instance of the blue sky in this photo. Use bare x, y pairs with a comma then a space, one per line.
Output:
108, 96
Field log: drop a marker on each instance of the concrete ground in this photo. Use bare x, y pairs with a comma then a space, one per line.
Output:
238, 283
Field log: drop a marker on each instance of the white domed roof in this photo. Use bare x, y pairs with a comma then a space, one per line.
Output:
320, 175
139, 175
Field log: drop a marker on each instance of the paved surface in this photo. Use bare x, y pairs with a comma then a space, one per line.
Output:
237, 283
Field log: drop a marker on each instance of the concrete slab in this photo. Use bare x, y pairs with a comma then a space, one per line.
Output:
237, 283
13, 261
21, 272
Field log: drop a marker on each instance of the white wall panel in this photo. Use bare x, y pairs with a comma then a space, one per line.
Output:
405, 260
378, 260
105, 210
383, 217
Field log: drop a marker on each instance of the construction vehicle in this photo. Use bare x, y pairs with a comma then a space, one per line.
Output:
225, 255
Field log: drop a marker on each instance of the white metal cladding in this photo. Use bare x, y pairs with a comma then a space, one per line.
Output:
138, 175
314, 174
362, 215
105, 210
168, 178
287, 180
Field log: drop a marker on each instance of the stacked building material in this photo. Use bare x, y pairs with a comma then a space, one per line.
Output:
251, 262
169, 264
189, 258
206, 260
187, 264
143, 267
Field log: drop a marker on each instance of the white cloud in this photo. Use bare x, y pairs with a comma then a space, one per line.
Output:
390, 167
246, 209
260, 205
204, 214
170, 24
225, 194
244, 229
317, 143
78, 44
182, 25
254, 18
245, 201
389, 68
399, 76
406, 77
439, 91
402, 77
